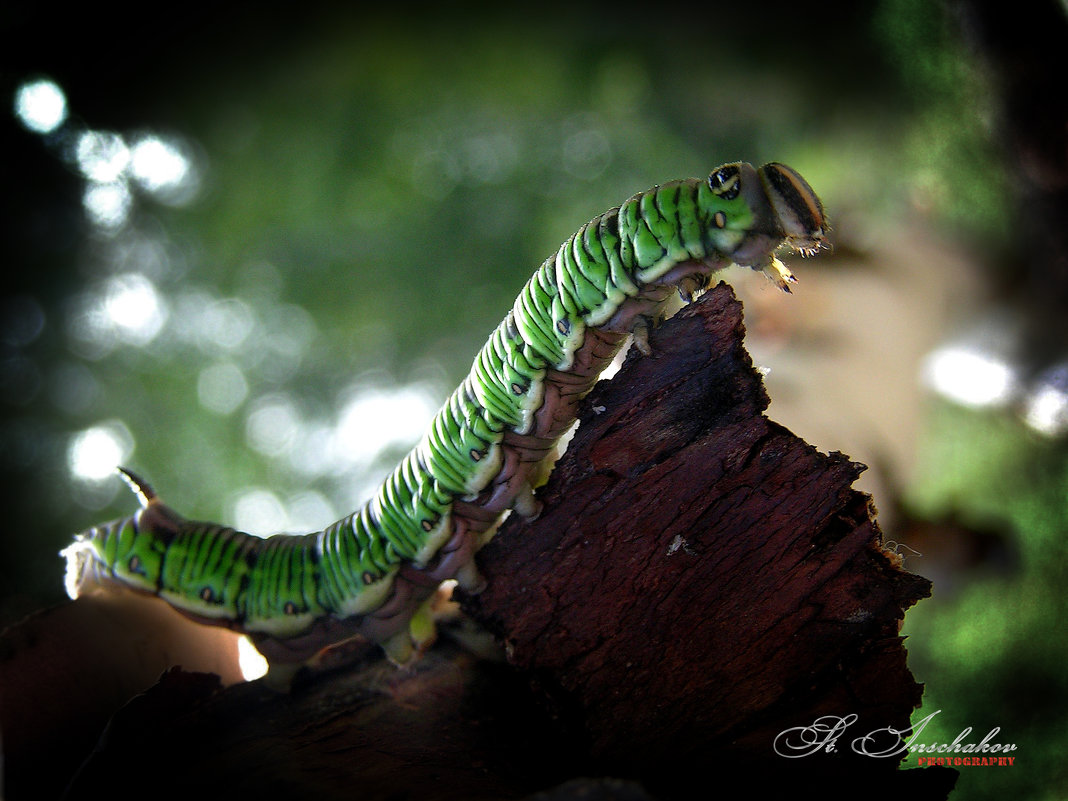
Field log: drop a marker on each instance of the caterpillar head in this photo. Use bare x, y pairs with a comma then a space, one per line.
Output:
797, 209
753, 212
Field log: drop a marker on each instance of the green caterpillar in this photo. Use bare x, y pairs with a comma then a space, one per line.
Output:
373, 573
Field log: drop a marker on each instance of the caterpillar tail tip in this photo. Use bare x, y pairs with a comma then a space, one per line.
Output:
141, 488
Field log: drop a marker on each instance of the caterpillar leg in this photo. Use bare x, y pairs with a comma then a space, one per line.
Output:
422, 630
641, 335
399, 648
525, 503
469, 579
412, 641
778, 273
690, 286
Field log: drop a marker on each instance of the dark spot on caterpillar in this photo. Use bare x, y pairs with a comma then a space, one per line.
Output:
426, 524
518, 389
720, 219
290, 608
135, 565
206, 595
563, 326
368, 578
475, 454
725, 182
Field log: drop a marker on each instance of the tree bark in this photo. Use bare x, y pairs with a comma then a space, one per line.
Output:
700, 580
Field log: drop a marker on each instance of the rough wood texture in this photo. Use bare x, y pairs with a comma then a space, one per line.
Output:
699, 581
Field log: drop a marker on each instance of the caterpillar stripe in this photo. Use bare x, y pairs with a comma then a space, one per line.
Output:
372, 573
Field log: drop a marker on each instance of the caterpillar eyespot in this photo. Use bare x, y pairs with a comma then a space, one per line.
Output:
373, 572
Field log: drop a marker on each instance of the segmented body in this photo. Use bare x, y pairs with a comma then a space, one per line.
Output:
371, 573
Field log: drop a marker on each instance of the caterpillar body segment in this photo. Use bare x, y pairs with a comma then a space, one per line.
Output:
374, 573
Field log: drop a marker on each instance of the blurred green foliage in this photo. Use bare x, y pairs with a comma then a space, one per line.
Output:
950, 147
991, 651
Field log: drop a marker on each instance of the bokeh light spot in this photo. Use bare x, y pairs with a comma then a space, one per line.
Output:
374, 420
102, 156
162, 168
95, 452
1046, 407
272, 425
227, 323
970, 377
107, 205
134, 308
41, 106
259, 512
222, 388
